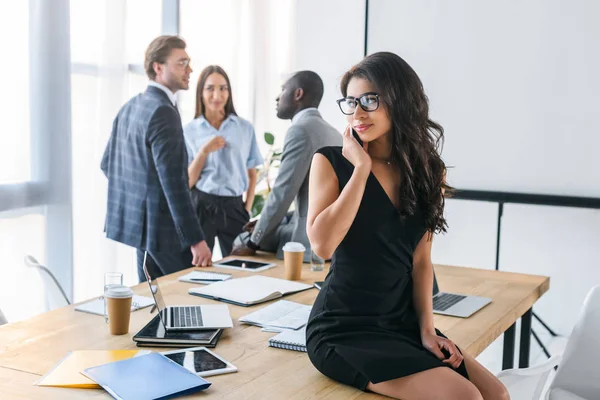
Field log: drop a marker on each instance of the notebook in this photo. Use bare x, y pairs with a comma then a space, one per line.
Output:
248, 291
151, 376
281, 314
290, 340
204, 277
212, 344
154, 332
97, 306
67, 373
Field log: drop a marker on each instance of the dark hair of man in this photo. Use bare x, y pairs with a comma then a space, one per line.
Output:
416, 139
311, 85
206, 72
158, 51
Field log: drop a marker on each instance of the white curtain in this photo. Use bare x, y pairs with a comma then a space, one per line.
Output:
99, 86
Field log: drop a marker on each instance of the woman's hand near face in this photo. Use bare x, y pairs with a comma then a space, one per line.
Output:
354, 152
213, 145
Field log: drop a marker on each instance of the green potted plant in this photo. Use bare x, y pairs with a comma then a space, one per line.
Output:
266, 174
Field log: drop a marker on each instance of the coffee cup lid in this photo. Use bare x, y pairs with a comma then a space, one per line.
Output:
294, 247
118, 292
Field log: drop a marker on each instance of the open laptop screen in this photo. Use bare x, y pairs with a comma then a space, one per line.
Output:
436, 288
158, 299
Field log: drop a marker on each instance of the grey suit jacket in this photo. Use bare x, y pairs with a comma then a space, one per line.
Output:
149, 204
275, 228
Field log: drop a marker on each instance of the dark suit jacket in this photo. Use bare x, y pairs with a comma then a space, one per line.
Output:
149, 204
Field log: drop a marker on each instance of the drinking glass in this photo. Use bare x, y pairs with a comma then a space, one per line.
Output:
316, 262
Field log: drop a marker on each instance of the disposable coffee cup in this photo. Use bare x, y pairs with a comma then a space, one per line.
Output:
118, 304
293, 256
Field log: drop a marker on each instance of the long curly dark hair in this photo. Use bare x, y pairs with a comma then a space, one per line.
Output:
416, 139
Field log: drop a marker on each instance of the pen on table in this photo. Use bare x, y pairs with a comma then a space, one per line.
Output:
207, 280
153, 308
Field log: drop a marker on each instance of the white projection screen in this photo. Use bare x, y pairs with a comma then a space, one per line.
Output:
515, 83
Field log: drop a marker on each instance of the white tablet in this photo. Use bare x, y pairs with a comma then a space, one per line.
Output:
244, 265
200, 361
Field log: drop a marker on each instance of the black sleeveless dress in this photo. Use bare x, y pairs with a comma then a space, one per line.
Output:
363, 326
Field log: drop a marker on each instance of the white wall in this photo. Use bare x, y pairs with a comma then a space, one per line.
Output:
329, 39
514, 83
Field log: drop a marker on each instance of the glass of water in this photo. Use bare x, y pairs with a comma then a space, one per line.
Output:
316, 262
110, 279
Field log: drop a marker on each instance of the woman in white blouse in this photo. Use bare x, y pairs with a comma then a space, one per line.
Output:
223, 156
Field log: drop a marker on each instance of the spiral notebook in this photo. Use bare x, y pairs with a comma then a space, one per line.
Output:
290, 340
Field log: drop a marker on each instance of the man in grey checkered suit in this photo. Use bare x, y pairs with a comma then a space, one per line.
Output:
149, 204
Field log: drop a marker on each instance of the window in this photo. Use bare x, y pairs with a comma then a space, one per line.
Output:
202, 21
250, 40
21, 289
142, 24
108, 40
87, 31
15, 153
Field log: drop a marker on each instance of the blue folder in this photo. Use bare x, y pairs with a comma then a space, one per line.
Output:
148, 377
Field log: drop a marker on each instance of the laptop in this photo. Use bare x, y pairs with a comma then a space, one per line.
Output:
456, 305
192, 317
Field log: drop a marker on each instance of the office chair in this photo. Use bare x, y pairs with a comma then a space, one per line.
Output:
528, 383
2, 318
577, 375
55, 295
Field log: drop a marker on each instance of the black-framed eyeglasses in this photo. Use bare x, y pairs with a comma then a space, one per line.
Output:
368, 102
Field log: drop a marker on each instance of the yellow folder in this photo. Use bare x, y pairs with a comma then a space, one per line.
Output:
67, 373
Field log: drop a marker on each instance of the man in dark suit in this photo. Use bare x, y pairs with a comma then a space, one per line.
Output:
149, 204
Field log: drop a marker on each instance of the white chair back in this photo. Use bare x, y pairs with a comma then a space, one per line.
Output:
2, 318
55, 295
578, 372
528, 383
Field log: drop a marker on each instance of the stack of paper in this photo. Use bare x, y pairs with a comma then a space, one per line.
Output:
204, 277
279, 315
97, 306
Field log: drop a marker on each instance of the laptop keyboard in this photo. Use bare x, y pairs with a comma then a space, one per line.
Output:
444, 301
187, 316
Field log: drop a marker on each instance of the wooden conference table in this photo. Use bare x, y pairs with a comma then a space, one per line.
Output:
30, 348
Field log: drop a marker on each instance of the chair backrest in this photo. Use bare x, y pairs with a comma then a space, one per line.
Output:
528, 383
55, 295
2, 318
578, 371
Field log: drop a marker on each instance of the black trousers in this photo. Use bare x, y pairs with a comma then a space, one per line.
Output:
220, 216
160, 264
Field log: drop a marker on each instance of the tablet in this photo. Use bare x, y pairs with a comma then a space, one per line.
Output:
200, 361
244, 265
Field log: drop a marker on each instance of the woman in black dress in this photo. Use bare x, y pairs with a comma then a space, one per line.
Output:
373, 209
